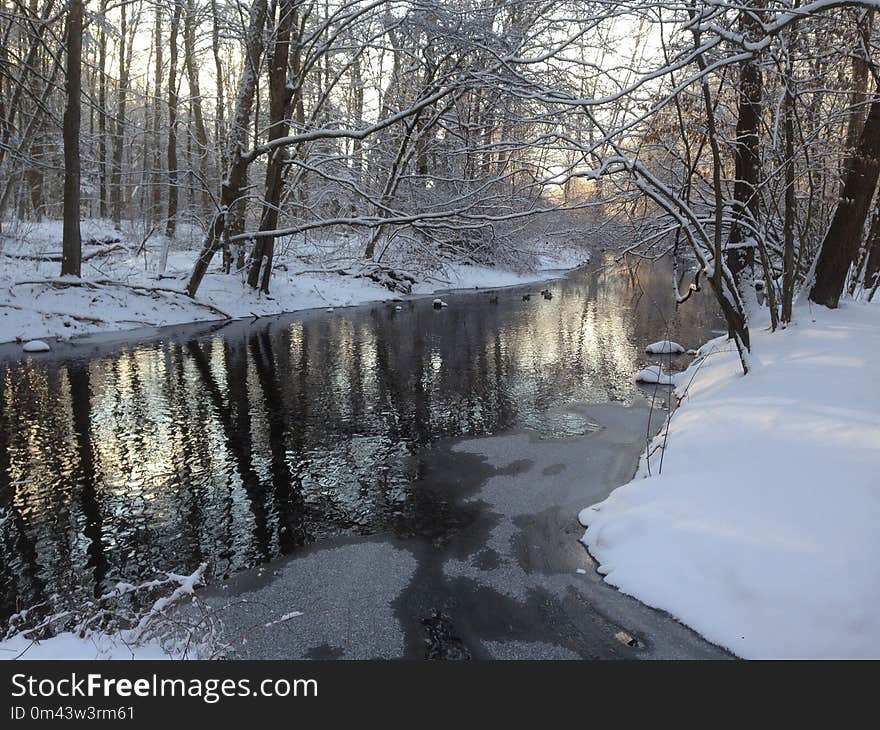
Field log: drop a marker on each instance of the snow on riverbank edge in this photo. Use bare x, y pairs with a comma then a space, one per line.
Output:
761, 532
121, 293
68, 646
47, 313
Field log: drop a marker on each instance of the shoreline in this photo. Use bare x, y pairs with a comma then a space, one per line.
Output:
101, 337
728, 549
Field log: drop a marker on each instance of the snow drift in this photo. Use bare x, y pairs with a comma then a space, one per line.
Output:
762, 531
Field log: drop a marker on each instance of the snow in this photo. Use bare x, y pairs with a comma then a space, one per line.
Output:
654, 374
139, 642
122, 287
664, 347
761, 532
36, 346
283, 619
69, 646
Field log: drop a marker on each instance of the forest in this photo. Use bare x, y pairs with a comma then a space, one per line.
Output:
733, 138
702, 169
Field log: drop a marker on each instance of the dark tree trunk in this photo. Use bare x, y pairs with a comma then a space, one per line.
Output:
357, 92
237, 172
788, 258
173, 193
192, 73
872, 252
102, 118
219, 120
746, 154
841, 243
71, 255
859, 93
157, 120
280, 95
119, 131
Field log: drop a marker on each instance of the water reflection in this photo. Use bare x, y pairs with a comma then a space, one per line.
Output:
245, 444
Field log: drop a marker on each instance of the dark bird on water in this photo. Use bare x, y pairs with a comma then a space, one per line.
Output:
547, 294
526, 297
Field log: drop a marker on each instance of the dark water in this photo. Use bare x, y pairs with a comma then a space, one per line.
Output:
237, 446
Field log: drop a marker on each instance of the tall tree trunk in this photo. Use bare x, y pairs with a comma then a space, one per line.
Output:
859, 93
840, 245
788, 259
721, 279
872, 252
35, 170
280, 95
746, 152
173, 192
102, 117
357, 93
238, 138
119, 132
192, 73
71, 253
219, 118
156, 182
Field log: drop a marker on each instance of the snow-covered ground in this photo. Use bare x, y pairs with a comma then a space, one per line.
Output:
175, 626
121, 290
762, 531
70, 646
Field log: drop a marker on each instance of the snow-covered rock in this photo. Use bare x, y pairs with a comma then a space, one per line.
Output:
664, 347
654, 374
439, 304
36, 346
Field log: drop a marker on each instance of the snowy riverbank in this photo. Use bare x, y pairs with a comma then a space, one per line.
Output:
761, 532
120, 289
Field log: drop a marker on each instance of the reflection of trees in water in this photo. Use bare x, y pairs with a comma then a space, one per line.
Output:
19, 568
237, 449
92, 527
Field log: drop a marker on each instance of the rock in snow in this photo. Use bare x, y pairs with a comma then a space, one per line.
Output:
654, 374
36, 346
664, 347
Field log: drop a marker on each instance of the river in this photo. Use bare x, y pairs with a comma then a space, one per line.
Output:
362, 443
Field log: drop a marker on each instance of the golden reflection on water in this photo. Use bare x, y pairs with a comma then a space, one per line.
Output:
237, 448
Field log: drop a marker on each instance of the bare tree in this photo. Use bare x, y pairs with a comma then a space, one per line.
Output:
173, 192
280, 95
230, 192
841, 243
71, 259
